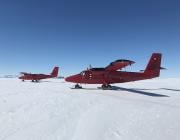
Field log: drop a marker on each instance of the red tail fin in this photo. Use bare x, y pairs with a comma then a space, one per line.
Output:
55, 71
154, 65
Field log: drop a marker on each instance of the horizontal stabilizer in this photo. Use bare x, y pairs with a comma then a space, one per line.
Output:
162, 68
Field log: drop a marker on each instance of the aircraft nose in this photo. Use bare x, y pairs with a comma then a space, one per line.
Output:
68, 79
74, 78
21, 77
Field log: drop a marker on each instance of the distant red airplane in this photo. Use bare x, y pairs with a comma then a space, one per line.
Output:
110, 74
37, 77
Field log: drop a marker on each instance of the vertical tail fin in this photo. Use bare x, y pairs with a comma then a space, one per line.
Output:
55, 71
154, 65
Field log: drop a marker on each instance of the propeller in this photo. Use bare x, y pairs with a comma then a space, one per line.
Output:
90, 67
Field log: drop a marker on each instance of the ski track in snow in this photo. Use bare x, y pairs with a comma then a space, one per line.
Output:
50, 110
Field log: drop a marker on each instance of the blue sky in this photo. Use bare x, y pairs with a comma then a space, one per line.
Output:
35, 35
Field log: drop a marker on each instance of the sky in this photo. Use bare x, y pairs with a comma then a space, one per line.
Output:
36, 35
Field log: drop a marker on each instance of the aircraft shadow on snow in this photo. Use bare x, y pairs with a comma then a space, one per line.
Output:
132, 90
38, 82
45, 82
175, 90
170, 89
138, 91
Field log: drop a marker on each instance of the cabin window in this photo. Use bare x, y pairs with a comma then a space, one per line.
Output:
83, 73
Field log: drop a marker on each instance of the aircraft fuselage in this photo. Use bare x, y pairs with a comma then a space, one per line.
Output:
107, 77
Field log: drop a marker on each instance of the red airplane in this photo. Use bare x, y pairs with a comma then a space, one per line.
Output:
110, 74
37, 77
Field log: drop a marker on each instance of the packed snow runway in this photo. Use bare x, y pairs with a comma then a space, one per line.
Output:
51, 110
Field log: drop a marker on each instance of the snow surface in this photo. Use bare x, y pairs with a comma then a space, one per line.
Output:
51, 110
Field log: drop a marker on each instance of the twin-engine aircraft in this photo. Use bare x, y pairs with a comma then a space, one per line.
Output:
111, 74
37, 77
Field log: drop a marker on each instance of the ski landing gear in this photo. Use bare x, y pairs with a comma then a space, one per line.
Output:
77, 86
35, 81
106, 87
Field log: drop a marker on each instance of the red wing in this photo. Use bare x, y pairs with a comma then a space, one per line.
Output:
25, 73
28, 74
119, 64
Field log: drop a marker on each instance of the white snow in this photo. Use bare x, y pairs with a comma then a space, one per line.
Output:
50, 110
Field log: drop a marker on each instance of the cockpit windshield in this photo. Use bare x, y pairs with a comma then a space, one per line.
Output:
82, 73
